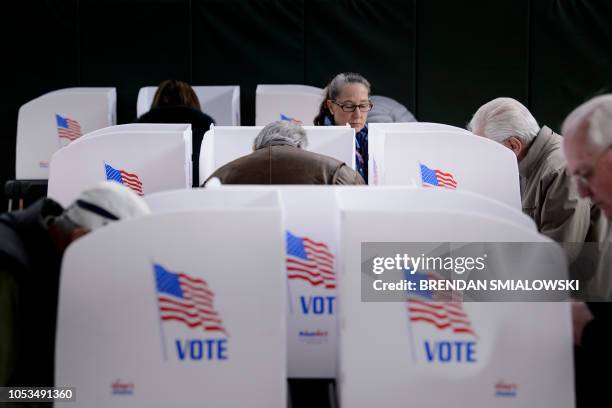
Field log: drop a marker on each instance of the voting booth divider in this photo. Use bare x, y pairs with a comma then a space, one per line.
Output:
444, 159
310, 256
514, 353
145, 161
109, 92
410, 127
196, 139
183, 308
222, 103
213, 198
294, 103
223, 144
54, 120
436, 199
141, 127
312, 249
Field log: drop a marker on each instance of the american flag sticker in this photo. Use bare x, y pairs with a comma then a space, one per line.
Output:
67, 128
310, 261
437, 178
123, 177
286, 118
425, 307
187, 300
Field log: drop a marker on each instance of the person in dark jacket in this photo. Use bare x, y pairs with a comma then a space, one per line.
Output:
279, 158
347, 101
176, 102
32, 243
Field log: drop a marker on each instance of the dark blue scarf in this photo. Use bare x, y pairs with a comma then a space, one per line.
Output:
361, 148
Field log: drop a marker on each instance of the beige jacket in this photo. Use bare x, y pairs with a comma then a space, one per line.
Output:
550, 197
286, 165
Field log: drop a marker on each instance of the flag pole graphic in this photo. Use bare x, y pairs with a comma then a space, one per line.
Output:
161, 327
286, 275
410, 325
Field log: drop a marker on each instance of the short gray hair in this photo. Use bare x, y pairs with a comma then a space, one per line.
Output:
596, 115
502, 118
281, 133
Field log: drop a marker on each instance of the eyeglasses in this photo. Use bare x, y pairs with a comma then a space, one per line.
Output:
583, 179
349, 107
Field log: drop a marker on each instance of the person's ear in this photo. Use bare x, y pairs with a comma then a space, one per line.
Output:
329, 106
77, 233
515, 144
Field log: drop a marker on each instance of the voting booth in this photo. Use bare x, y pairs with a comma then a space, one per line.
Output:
54, 120
312, 255
196, 139
437, 354
444, 159
311, 262
222, 103
376, 138
222, 144
421, 199
145, 161
213, 198
295, 103
176, 309
141, 127
414, 127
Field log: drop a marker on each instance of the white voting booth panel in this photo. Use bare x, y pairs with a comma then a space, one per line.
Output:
311, 256
414, 127
53, 120
446, 160
434, 199
110, 93
298, 103
222, 103
376, 140
383, 355
144, 161
222, 144
213, 198
142, 127
178, 309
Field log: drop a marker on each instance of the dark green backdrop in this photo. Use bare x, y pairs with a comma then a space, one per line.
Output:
442, 58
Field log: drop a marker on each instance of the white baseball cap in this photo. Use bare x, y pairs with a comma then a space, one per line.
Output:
107, 202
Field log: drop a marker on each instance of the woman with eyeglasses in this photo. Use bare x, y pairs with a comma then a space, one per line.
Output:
347, 101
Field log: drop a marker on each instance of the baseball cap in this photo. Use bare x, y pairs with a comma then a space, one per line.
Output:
107, 202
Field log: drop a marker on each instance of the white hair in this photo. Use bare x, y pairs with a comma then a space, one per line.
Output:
281, 133
502, 118
596, 115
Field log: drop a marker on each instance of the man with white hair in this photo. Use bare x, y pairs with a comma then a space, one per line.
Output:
548, 195
587, 145
32, 243
279, 157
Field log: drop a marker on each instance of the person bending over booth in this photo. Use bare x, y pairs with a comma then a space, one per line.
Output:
32, 244
279, 158
587, 145
548, 194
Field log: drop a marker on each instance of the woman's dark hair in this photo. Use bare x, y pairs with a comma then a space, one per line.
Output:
175, 93
334, 88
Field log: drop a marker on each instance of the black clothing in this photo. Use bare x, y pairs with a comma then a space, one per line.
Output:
200, 123
29, 283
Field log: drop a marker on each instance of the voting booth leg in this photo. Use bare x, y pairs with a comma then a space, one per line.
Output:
312, 392
24, 192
